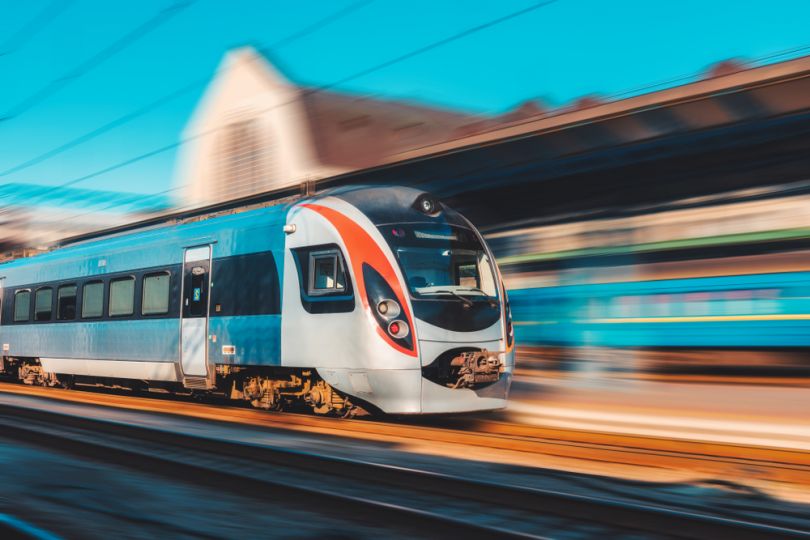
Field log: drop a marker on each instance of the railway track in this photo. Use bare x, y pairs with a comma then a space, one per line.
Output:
721, 460
404, 499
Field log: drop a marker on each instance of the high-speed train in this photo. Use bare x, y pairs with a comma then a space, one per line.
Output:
359, 298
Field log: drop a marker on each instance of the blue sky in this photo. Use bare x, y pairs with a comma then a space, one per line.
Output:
563, 51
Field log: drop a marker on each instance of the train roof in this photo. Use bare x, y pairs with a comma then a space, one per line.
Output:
178, 217
382, 204
159, 243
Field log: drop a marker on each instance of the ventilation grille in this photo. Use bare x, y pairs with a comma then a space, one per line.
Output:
197, 383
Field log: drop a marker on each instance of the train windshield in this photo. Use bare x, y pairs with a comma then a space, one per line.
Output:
442, 260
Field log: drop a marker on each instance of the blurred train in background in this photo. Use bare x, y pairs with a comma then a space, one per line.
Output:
711, 284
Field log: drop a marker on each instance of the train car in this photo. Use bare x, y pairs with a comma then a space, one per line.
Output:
375, 298
746, 311
758, 310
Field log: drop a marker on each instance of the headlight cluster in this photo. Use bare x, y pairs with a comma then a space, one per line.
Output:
390, 310
387, 310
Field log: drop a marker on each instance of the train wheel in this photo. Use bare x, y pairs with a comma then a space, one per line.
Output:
325, 400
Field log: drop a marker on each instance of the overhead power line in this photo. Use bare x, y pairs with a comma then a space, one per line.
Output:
319, 24
436, 44
356, 75
90, 135
22, 36
96, 60
171, 96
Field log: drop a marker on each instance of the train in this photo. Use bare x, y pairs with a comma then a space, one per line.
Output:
368, 299
722, 312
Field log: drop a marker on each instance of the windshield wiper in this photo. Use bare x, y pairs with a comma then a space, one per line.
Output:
474, 289
491, 300
467, 302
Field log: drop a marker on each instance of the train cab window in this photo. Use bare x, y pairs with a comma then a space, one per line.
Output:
22, 305
92, 300
43, 304
155, 294
467, 275
324, 281
66, 303
326, 273
122, 297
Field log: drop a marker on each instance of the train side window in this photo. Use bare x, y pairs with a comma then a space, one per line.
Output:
92, 300
155, 299
326, 273
43, 304
122, 297
22, 305
324, 281
66, 303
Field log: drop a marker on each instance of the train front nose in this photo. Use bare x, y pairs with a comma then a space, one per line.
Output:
463, 371
457, 305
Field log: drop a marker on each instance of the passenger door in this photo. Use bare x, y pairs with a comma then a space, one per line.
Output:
194, 312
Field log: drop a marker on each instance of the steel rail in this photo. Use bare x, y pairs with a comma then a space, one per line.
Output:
725, 459
24, 423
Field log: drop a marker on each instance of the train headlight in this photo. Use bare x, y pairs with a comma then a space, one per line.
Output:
389, 309
398, 329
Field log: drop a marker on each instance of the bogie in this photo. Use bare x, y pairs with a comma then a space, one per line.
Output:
284, 389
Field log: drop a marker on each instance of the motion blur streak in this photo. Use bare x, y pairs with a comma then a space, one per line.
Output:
674, 288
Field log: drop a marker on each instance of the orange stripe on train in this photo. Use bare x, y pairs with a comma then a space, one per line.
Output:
363, 249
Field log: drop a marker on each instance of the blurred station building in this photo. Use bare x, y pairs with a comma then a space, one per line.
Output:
255, 131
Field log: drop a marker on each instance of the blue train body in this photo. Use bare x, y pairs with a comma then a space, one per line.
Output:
757, 310
140, 338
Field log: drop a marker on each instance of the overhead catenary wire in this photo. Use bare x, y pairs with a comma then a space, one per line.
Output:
30, 29
366, 71
436, 44
177, 93
96, 60
319, 24
94, 133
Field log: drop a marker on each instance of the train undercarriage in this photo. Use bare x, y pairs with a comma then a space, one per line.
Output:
283, 389
273, 389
